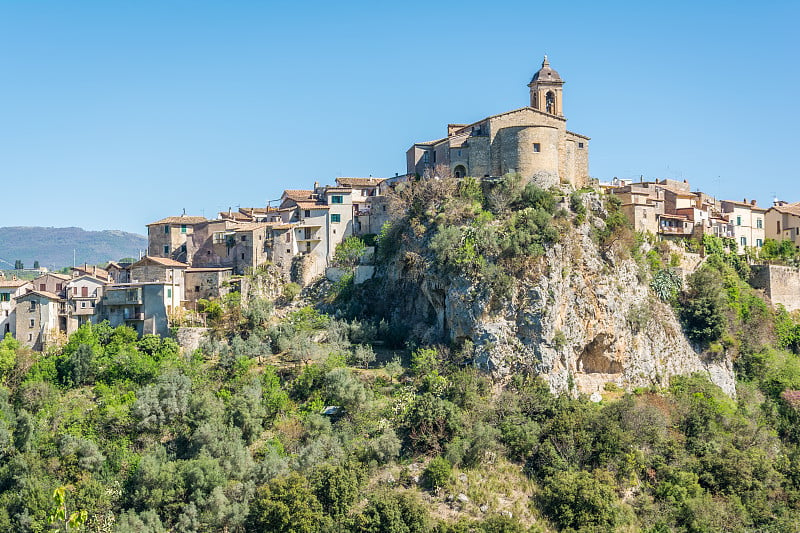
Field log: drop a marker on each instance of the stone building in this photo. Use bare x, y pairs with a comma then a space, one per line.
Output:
229, 243
208, 282
52, 282
167, 237
532, 141
38, 314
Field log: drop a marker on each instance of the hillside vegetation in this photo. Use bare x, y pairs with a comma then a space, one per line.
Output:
53, 247
319, 415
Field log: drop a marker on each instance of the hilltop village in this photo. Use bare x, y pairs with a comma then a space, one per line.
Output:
192, 258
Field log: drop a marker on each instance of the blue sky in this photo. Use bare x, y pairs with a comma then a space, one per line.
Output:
116, 114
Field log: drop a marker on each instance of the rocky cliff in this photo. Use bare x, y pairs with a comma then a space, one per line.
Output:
579, 318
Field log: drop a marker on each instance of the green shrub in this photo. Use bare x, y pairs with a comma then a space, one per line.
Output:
437, 473
702, 309
288, 505
578, 500
349, 252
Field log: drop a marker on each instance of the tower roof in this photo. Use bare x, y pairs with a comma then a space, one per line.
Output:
546, 73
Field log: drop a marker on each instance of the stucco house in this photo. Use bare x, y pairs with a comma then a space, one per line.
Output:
83, 297
783, 221
10, 289
144, 306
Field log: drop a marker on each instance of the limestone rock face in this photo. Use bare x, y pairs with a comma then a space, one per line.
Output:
583, 322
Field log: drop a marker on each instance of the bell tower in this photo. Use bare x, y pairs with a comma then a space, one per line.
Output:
546, 90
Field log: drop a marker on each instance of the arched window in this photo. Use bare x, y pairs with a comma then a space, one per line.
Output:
550, 98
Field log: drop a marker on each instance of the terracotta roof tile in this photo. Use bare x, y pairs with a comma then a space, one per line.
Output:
359, 182
183, 219
161, 261
297, 194
234, 215
13, 283
312, 205
789, 209
250, 226
46, 294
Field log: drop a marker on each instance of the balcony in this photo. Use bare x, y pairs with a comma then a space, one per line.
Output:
673, 230
123, 297
133, 316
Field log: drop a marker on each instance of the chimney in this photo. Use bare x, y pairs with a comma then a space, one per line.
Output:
753, 203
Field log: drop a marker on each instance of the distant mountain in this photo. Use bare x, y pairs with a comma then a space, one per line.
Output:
54, 247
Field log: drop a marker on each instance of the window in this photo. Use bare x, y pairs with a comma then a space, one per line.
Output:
759, 243
738, 221
242, 257
336, 217
166, 229
759, 223
33, 306
32, 323
83, 305
197, 288
288, 251
59, 286
169, 293
743, 240
183, 228
337, 199
30, 337
537, 148
459, 153
5, 296
434, 156
42, 287
426, 157
580, 145
166, 249
288, 236
244, 238
307, 213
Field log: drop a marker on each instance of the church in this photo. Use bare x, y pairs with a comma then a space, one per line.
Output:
532, 141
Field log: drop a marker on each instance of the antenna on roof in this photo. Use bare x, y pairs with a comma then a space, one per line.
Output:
184, 212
